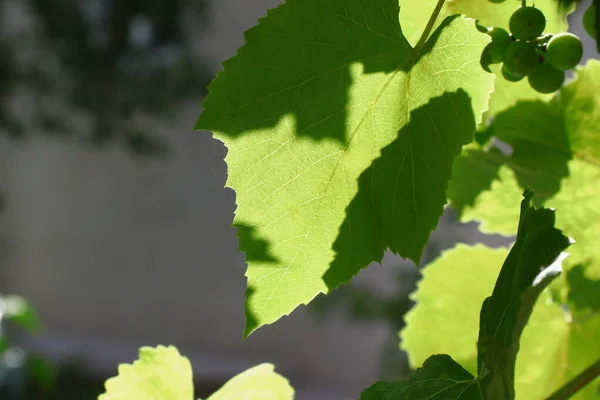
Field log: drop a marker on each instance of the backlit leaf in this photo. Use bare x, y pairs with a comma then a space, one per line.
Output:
257, 383
440, 378
160, 373
416, 13
325, 107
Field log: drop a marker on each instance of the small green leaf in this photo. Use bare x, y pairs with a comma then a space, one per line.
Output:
160, 373
257, 383
440, 378
582, 112
18, 311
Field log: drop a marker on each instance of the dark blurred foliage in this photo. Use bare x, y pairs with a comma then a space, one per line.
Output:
106, 62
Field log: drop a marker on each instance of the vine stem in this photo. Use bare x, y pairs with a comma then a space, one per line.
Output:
429, 26
578, 382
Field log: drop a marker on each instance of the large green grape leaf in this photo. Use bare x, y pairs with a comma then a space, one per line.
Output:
415, 14
306, 106
440, 378
160, 373
257, 383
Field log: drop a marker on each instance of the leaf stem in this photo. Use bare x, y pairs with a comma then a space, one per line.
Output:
578, 382
429, 26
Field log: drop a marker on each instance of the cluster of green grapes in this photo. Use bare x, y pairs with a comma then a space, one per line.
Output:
528, 52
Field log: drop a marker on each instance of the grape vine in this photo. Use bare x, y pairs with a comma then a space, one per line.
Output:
346, 140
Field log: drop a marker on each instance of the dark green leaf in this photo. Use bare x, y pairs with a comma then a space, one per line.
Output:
440, 378
533, 262
473, 271
537, 135
158, 374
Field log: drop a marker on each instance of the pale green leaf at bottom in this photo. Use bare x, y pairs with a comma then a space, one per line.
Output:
160, 373
257, 383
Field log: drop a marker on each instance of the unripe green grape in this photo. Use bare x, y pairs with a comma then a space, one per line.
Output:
500, 41
564, 51
527, 23
589, 21
499, 35
520, 58
546, 79
508, 76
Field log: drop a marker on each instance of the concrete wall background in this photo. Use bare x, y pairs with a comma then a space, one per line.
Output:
117, 253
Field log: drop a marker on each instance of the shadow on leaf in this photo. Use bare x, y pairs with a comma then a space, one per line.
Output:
584, 291
251, 320
402, 194
265, 81
256, 248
